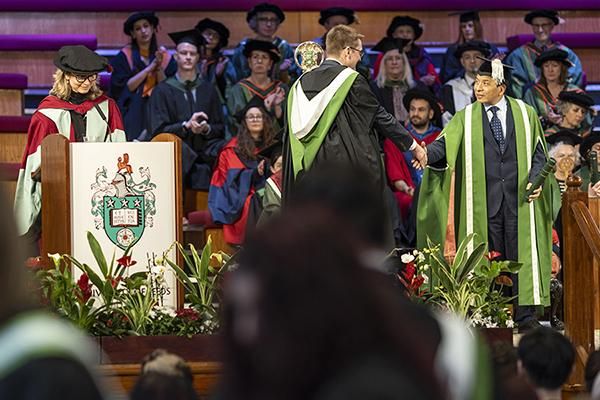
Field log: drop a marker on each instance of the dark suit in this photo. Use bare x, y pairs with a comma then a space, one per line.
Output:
501, 170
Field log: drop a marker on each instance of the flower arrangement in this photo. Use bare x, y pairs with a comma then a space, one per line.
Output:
114, 301
471, 286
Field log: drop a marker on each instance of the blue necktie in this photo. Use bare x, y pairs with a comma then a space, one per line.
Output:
496, 126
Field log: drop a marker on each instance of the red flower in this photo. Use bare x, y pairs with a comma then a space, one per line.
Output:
492, 255
115, 281
126, 261
409, 271
85, 288
188, 313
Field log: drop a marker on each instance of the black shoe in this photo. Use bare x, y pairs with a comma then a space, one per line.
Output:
557, 323
529, 325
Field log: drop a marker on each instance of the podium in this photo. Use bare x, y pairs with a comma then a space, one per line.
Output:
127, 194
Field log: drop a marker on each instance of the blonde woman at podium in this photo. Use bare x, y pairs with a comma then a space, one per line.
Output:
77, 109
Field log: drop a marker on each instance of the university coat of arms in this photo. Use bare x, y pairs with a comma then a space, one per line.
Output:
122, 206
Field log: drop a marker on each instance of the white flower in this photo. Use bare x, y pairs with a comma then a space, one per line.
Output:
425, 279
415, 252
406, 258
510, 323
159, 261
425, 267
421, 257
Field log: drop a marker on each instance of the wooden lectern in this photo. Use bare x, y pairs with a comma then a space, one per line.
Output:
124, 193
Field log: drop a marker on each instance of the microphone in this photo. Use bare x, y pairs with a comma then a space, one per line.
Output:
539, 180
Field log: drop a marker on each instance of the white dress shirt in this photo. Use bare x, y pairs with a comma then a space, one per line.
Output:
501, 113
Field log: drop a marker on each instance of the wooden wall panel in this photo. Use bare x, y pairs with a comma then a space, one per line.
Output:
36, 65
12, 146
7, 189
298, 26
11, 102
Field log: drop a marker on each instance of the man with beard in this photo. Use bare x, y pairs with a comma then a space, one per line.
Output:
423, 115
457, 93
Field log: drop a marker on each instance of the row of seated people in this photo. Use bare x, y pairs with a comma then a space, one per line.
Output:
191, 95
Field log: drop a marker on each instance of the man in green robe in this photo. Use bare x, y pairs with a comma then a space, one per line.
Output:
334, 117
496, 148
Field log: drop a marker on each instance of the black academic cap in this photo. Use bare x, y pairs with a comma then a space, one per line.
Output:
261, 45
588, 142
387, 43
567, 136
578, 97
553, 55
265, 7
254, 102
550, 14
79, 60
486, 69
272, 151
216, 26
466, 15
425, 94
135, 17
473, 45
191, 36
344, 12
401, 20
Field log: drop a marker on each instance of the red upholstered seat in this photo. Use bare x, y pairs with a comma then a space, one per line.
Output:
14, 124
201, 217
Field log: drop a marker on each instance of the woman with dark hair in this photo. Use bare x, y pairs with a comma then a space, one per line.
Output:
214, 66
137, 69
305, 318
241, 171
543, 95
261, 56
470, 28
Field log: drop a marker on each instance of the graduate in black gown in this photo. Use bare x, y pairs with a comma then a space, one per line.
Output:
189, 107
343, 127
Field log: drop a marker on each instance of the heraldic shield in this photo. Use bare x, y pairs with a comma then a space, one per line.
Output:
124, 219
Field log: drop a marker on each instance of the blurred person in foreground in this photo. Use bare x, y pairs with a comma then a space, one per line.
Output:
164, 376
546, 358
42, 357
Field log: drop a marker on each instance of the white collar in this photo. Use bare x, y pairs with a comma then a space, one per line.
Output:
502, 105
333, 59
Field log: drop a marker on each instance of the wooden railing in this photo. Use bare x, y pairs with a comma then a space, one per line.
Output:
581, 254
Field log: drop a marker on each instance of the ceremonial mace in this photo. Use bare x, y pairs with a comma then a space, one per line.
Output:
308, 56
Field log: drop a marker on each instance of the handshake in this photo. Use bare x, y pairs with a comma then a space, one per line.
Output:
419, 160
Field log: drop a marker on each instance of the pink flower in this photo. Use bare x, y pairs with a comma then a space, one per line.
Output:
492, 255
188, 313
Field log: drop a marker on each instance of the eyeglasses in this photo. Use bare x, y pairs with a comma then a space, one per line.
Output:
254, 117
268, 20
542, 26
360, 51
91, 78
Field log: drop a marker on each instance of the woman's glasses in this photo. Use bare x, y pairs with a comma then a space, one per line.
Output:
91, 78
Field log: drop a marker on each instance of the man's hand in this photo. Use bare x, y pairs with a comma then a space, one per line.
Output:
419, 160
428, 80
536, 193
221, 66
198, 123
285, 64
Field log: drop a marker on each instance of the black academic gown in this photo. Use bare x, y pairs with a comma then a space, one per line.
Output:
353, 136
169, 109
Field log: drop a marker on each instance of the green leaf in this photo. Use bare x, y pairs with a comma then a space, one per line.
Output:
472, 261
98, 254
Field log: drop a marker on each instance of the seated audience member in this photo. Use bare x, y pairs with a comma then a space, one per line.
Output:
589, 144
43, 357
215, 67
470, 29
240, 171
546, 358
508, 383
562, 146
333, 16
288, 282
522, 59
271, 200
394, 78
164, 376
576, 112
77, 109
264, 19
543, 95
424, 112
457, 93
592, 367
137, 69
411, 29
189, 107
262, 56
